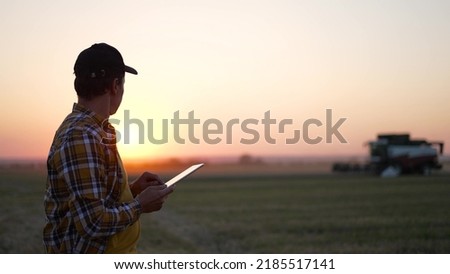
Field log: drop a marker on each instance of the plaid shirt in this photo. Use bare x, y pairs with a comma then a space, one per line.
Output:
83, 186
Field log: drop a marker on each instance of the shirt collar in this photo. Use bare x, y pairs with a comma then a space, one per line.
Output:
97, 118
109, 137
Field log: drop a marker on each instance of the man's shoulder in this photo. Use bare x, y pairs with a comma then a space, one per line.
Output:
78, 125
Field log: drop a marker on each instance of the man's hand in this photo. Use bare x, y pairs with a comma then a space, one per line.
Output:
145, 180
153, 197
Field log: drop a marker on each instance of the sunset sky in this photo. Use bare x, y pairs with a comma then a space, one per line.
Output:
382, 65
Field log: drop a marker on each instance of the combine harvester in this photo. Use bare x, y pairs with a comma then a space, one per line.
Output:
395, 154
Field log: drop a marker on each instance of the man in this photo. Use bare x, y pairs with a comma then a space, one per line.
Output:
89, 205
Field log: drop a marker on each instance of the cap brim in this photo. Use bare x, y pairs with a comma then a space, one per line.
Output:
130, 70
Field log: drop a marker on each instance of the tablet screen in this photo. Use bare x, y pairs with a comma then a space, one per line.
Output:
183, 174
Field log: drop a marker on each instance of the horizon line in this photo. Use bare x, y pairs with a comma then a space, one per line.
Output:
216, 158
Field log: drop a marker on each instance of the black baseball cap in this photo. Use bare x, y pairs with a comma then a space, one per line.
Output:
101, 61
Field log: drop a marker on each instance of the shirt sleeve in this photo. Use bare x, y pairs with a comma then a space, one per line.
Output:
82, 166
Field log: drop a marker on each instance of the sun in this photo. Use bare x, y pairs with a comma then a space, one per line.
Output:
139, 151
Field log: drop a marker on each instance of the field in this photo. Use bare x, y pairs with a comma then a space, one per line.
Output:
265, 213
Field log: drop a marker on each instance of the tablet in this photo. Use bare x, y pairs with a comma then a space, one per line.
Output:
183, 174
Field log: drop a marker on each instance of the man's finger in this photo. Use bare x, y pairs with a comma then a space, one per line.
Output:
153, 177
169, 190
153, 183
157, 187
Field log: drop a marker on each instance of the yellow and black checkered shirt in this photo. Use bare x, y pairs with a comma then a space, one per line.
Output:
84, 186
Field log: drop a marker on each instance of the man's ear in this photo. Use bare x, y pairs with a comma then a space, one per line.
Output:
115, 85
